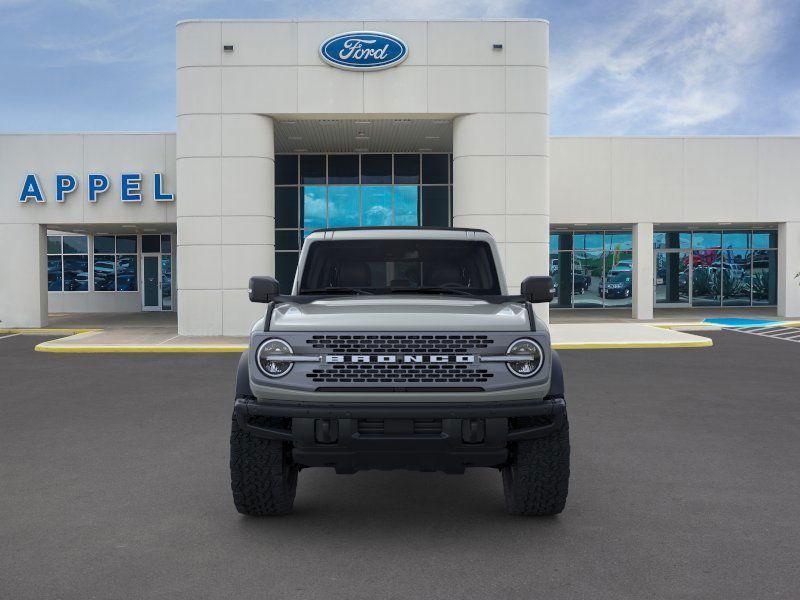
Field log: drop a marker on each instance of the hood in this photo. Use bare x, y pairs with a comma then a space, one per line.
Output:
399, 313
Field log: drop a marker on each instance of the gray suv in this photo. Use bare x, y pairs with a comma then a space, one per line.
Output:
400, 348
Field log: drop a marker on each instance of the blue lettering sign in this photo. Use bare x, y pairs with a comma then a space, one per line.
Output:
98, 184
363, 50
65, 184
131, 188
158, 195
31, 189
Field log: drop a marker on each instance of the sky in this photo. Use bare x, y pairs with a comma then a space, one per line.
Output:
669, 67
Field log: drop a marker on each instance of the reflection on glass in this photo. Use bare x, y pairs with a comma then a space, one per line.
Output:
406, 205
166, 282
312, 168
672, 277
618, 283
76, 273
588, 278
150, 280
765, 277
672, 239
314, 207
104, 272
735, 277
406, 168
706, 277
54, 244
343, 206
54, 273
343, 168
618, 241
765, 239
736, 239
150, 243
376, 205
166, 244
561, 272
435, 206
285, 267
286, 207
104, 244
706, 239
126, 244
126, 273
588, 241
75, 244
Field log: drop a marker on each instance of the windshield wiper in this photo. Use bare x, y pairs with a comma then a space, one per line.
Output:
336, 290
432, 290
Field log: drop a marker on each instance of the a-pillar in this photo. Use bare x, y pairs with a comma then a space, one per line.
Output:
642, 276
501, 184
23, 273
226, 223
789, 269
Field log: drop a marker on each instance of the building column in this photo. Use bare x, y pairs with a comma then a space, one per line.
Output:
788, 269
23, 271
642, 271
501, 184
226, 224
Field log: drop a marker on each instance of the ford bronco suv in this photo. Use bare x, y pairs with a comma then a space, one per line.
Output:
399, 348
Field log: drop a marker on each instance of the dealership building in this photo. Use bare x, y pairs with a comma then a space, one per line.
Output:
284, 127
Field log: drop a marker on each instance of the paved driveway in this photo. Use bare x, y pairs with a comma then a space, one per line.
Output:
686, 484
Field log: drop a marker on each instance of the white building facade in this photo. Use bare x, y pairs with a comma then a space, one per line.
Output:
275, 139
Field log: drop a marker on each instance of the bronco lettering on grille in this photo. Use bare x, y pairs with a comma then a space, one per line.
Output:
399, 358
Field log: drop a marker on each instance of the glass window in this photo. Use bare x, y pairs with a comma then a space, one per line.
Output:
435, 206
706, 277
54, 278
104, 244
151, 243
406, 205
376, 168
343, 168
285, 169
312, 168
76, 273
618, 241
672, 239
706, 239
588, 241
735, 277
765, 239
75, 244
672, 277
553, 243
286, 240
618, 281
104, 272
406, 168
587, 275
343, 206
54, 244
166, 282
376, 205
166, 244
434, 168
126, 244
126, 273
314, 198
736, 239
286, 207
765, 277
285, 267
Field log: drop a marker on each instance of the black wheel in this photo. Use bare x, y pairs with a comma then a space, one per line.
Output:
263, 476
536, 478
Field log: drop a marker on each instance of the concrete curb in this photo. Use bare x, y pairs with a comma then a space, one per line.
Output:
154, 348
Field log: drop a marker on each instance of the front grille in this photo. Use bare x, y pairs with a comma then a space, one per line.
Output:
399, 344
399, 373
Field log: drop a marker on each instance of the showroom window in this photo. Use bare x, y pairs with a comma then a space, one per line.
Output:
591, 269
316, 191
716, 267
115, 263
67, 263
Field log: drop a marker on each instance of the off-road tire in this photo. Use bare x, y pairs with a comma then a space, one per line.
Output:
536, 478
263, 476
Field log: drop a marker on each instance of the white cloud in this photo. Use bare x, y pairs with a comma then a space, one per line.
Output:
670, 68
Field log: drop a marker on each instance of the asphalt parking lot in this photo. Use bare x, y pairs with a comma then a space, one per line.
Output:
686, 484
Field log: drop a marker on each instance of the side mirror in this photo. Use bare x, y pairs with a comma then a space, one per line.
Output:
262, 289
538, 288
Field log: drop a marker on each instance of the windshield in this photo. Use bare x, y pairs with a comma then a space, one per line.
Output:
396, 266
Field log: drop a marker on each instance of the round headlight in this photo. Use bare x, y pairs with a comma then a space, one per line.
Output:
268, 365
533, 361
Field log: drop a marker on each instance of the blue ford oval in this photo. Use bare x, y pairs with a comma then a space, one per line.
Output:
363, 50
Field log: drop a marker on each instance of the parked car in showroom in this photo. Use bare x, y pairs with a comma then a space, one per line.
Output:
400, 348
617, 286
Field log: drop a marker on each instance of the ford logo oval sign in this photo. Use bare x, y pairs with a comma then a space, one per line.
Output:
363, 50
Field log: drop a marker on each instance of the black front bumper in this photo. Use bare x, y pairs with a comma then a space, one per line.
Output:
429, 437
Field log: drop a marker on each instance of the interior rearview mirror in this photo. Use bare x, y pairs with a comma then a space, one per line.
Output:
262, 288
538, 288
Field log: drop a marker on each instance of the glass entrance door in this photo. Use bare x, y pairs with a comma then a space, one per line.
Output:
151, 279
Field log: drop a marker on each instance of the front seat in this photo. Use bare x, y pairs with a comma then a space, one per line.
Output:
354, 274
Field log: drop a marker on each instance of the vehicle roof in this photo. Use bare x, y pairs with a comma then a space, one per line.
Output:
355, 233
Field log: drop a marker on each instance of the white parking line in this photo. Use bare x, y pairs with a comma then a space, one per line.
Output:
790, 334
2, 337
